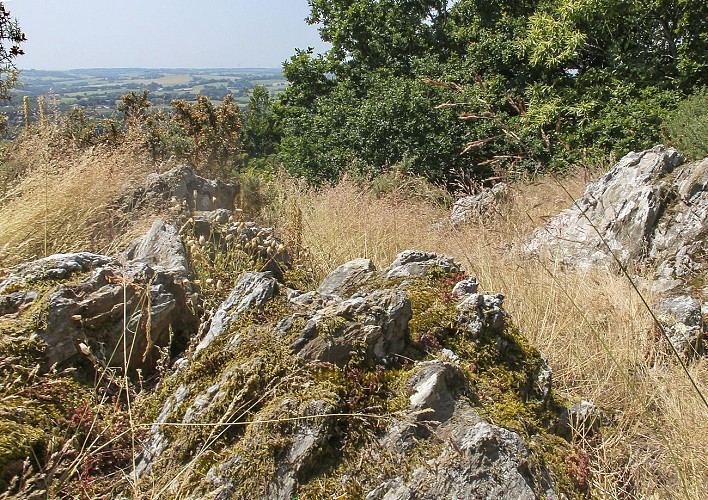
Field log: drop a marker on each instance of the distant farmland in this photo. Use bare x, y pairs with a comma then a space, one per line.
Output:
98, 90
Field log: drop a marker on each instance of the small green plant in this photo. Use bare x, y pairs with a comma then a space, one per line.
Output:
687, 128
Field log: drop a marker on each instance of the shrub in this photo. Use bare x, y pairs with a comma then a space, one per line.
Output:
687, 127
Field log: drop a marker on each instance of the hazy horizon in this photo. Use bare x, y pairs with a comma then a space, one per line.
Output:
162, 34
166, 68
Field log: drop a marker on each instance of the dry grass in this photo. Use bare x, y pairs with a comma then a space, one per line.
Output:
62, 199
592, 325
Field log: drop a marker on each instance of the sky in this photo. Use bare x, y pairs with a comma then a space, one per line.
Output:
72, 34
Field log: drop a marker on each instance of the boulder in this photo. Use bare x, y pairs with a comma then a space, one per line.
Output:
53, 268
616, 218
478, 204
416, 263
97, 307
161, 248
480, 460
252, 290
649, 212
373, 324
134, 309
347, 276
679, 240
181, 184
682, 319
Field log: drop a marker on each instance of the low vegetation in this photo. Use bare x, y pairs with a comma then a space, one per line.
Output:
593, 328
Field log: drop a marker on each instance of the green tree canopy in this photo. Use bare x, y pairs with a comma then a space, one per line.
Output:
540, 83
11, 36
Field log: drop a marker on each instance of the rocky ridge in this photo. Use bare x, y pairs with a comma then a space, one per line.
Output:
406, 382
308, 385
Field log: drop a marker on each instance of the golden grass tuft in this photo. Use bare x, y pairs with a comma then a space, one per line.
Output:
61, 198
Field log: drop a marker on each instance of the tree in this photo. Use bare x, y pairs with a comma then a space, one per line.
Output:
540, 84
11, 36
261, 132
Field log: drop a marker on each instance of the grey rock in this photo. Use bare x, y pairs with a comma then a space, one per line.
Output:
340, 321
580, 420
682, 319
91, 310
347, 276
412, 263
252, 290
481, 460
485, 200
197, 192
434, 390
650, 209
478, 312
375, 323
466, 287
543, 380
12, 302
624, 206
161, 248
678, 243
53, 268
156, 442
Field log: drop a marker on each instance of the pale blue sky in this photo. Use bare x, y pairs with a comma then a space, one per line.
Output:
65, 34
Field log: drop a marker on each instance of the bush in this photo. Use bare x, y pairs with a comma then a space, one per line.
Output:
687, 128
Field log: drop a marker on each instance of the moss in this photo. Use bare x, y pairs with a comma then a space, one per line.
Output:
557, 456
17, 443
353, 472
261, 382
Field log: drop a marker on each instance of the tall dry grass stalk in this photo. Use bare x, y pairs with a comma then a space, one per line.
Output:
61, 199
592, 325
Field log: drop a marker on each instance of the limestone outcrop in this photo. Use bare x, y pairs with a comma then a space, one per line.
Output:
92, 306
384, 376
648, 214
479, 204
649, 210
404, 382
